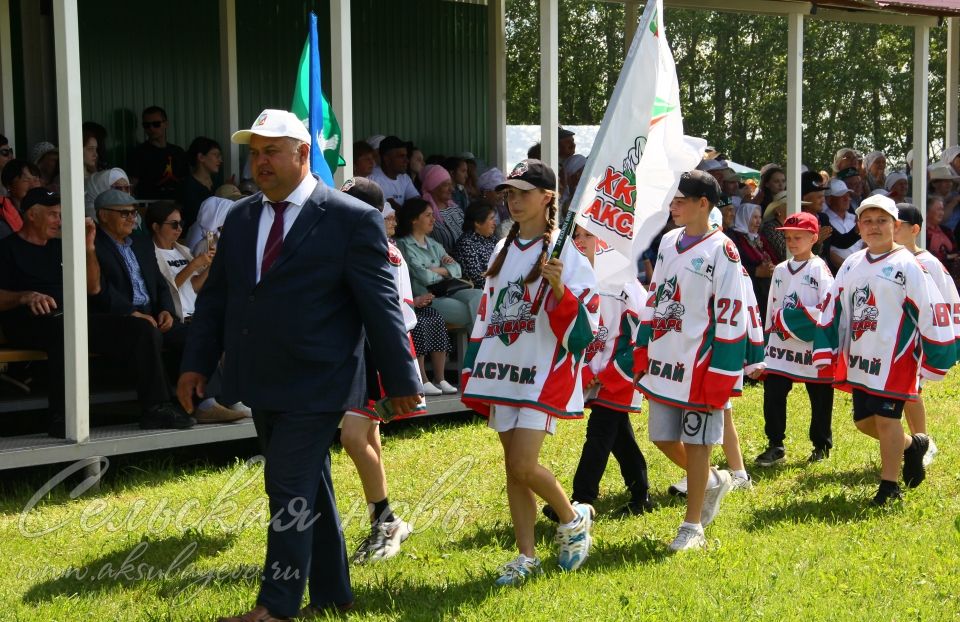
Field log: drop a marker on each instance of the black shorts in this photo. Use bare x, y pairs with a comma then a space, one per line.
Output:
867, 405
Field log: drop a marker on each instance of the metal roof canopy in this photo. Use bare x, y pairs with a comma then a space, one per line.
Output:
922, 15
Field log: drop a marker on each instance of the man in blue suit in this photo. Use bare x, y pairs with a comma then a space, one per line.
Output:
299, 279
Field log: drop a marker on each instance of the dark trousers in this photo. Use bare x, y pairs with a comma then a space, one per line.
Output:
305, 536
609, 431
775, 390
121, 337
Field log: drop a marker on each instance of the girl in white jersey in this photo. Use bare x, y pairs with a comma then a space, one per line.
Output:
911, 225
360, 429
522, 367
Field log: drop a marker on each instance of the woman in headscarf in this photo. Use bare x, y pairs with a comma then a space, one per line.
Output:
206, 229
447, 215
875, 164
756, 254
100, 182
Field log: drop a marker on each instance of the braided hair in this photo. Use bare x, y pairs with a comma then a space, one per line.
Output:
534, 274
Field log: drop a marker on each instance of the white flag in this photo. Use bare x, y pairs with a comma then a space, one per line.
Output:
638, 156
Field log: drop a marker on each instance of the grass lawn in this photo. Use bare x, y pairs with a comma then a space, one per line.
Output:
165, 541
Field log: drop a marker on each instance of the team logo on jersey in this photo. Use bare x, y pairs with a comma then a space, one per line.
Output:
697, 263
790, 301
865, 312
809, 280
668, 311
394, 256
730, 250
511, 313
599, 343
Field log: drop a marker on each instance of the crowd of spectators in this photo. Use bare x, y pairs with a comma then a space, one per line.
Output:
153, 228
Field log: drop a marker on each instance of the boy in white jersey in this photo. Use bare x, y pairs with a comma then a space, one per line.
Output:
691, 348
799, 286
879, 305
911, 225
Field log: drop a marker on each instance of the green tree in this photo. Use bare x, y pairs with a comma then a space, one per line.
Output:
858, 79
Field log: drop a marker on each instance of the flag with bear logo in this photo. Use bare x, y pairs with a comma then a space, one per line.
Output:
639, 154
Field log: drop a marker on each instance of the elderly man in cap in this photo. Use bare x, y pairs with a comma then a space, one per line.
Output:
31, 313
845, 239
300, 277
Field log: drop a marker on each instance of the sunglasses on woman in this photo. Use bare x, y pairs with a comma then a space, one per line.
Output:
174, 224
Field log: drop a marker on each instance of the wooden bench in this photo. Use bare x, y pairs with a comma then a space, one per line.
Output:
10, 354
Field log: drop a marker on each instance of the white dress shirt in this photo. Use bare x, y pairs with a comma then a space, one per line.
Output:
296, 199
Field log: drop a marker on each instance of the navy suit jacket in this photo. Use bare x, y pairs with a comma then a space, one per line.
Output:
294, 341
116, 295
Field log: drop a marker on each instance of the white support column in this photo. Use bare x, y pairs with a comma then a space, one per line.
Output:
497, 76
953, 82
631, 13
549, 81
341, 53
6, 75
921, 59
66, 38
229, 90
794, 110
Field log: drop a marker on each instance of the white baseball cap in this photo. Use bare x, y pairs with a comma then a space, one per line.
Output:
837, 188
879, 201
941, 170
274, 124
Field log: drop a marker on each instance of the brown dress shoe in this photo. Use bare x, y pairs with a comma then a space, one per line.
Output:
257, 614
310, 612
218, 414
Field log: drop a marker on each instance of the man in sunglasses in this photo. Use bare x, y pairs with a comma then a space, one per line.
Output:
31, 312
155, 166
133, 286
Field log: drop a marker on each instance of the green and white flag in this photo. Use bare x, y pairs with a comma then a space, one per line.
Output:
308, 76
639, 154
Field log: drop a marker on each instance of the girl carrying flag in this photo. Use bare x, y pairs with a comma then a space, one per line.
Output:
522, 368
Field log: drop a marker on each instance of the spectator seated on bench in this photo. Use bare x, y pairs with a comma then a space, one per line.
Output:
184, 276
31, 314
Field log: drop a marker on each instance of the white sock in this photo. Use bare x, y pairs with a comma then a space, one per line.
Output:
696, 526
742, 474
576, 519
713, 481
207, 403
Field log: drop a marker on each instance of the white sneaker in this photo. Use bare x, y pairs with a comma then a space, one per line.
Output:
431, 389
241, 407
679, 489
385, 539
518, 570
688, 539
575, 540
713, 496
446, 387
742, 483
931, 453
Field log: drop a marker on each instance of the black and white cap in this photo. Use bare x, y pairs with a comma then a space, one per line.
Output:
529, 174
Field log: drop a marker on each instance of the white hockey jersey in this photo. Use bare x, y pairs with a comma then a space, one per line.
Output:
401, 276
945, 285
692, 337
872, 318
793, 313
516, 358
609, 357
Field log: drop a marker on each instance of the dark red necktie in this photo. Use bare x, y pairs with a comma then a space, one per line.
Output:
271, 249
